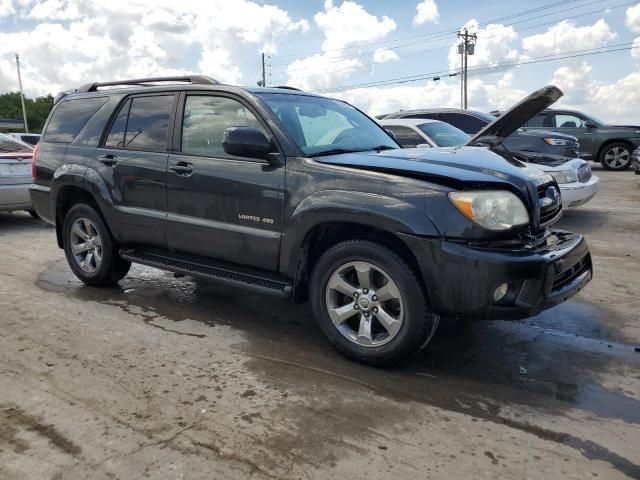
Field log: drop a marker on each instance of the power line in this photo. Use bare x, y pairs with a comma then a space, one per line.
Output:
499, 66
420, 52
441, 33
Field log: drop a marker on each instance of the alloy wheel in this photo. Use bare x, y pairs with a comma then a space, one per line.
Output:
86, 245
364, 304
617, 157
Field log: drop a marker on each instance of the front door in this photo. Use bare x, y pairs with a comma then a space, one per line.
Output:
575, 126
134, 164
218, 205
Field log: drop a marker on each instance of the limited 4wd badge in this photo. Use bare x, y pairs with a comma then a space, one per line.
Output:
253, 218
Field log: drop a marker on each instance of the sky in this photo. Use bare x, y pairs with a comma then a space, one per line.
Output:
379, 55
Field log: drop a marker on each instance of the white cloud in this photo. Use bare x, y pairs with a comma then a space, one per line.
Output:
566, 36
632, 18
344, 28
349, 24
575, 81
426, 12
496, 44
78, 41
382, 55
6, 8
635, 52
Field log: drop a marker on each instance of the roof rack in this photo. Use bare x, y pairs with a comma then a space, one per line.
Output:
146, 82
287, 87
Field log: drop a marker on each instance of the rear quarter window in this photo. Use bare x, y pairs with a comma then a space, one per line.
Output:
70, 117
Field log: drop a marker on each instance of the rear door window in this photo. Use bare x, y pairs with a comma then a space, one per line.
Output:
538, 121
405, 136
70, 117
142, 124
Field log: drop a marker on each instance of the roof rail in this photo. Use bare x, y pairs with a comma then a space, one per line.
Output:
193, 79
287, 87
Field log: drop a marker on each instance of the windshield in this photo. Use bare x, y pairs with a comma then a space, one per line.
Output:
444, 135
324, 126
10, 145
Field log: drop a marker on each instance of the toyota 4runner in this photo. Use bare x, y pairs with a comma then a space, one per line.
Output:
301, 196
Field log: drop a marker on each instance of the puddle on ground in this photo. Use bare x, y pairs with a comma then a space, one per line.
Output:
550, 362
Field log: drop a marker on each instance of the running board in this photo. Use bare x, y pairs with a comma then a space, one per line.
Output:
204, 268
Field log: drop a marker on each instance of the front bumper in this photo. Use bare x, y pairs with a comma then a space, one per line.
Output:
461, 279
578, 193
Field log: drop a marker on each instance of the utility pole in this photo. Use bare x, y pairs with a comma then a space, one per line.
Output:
465, 48
24, 110
264, 77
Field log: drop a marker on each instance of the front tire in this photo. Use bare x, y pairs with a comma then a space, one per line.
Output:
90, 250
616, 156
369, 303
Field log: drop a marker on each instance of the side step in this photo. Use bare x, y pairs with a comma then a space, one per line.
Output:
207, 269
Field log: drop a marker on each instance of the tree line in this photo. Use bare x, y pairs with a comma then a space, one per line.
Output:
37, 109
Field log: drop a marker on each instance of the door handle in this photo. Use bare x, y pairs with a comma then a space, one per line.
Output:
109, 159
182, 168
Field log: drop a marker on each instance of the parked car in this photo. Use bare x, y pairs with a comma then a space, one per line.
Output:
472, 121
636, 161
574, 177
611, 145
29, 138
15, 175
298, 195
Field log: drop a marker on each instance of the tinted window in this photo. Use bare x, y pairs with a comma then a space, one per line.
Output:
30, 139
564, 120
433, 116
119, 127
148, 123
9, 145
444, 135
205, 120
466, 123
70, 117
537, 121
406, 137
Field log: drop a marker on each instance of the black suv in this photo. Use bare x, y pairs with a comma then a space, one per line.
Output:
301, 196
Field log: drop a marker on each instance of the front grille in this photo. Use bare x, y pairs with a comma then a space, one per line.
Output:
551, 212
584, 173
568, 276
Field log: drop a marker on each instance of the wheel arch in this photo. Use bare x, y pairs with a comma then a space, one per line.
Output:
608, 142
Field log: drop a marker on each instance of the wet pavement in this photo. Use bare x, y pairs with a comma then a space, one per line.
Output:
166, 377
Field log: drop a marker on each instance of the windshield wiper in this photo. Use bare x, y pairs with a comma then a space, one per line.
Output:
333, 151
380, 148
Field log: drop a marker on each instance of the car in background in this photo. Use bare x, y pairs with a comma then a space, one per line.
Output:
15, 175
472, 121
636, 161
30, 138
611, 145
573, 175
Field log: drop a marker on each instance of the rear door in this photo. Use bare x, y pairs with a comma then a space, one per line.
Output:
133, 161
222, 206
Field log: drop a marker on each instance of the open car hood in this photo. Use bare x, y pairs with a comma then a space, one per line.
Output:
516, 116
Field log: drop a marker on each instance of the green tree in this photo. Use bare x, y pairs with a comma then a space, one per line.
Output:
37, 110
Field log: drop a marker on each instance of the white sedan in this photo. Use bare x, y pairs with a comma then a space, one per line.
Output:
573, 175
15, 175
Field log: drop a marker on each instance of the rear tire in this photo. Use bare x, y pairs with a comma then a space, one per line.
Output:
616, 156
369, 303
90, 249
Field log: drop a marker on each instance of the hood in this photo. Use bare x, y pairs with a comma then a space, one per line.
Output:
627, 130
459, 167
516, 116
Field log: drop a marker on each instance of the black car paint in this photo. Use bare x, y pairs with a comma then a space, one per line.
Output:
401, 192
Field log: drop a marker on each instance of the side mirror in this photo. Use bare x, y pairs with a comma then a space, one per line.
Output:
590, 124
245, 141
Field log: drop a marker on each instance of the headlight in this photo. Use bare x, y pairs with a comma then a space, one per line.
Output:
565, 176
491, 209
558, 141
